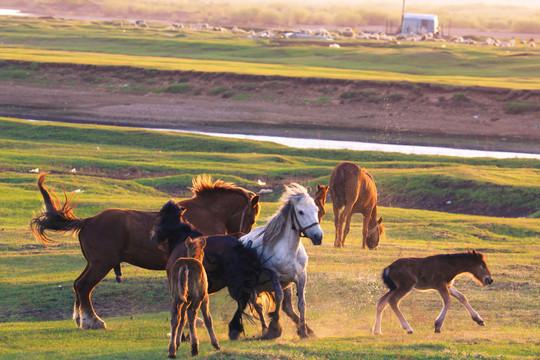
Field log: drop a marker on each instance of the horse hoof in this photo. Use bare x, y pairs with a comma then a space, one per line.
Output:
172, 356
273, 332
270, 335
118, 279
438, 331
481, 323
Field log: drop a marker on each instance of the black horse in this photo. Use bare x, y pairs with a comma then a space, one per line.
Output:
227, 262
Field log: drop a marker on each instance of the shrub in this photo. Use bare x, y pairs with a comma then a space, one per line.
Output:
520, 107
460, 97
177, 88
218, 90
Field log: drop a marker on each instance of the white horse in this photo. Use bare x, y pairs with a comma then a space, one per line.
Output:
282, 253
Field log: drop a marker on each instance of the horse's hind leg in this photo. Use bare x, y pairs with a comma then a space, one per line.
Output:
175, 315
347, 228
463, 300
83, 287
77, 305
192, 317
393, 299
337, 225
344, 217
205, 309
382, 303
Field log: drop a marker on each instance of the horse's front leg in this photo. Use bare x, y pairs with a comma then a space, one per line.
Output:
288, 309
236, 328
365, 231
463, 300
444, 292
300, 287
274, 328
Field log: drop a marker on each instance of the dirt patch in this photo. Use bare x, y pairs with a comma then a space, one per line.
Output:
388, 112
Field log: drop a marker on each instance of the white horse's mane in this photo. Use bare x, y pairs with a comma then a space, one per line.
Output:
275, 225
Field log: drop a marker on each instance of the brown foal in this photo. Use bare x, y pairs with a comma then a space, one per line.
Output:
433, 272
189, 290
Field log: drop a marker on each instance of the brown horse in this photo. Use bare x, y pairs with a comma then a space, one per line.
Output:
320, 200
114, 235
353, 191
433, 272
189, 290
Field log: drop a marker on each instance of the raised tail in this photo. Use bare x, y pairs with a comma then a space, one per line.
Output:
387, 281
56, 217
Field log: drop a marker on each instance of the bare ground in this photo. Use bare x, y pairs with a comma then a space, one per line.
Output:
405, 113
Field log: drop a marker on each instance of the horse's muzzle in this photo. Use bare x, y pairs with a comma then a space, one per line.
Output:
488, 280
316, 239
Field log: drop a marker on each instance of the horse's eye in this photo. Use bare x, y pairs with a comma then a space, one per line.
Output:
301, 212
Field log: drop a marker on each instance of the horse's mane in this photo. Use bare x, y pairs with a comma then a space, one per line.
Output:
478, 257
204, 185
275, 225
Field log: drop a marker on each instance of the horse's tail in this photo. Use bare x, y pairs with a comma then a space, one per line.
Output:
387, 280
267, 300
242, 274
179, 281
56, 217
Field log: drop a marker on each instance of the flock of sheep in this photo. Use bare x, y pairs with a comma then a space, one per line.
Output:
323, 34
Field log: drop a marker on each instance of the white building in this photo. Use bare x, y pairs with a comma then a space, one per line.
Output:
420, 24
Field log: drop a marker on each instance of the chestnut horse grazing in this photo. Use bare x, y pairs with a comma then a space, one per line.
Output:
115, 235
227, 262
189, 289
320, 200
433, 272
353, 191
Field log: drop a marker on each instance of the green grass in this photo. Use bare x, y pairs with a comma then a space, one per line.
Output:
131, 168
98, 43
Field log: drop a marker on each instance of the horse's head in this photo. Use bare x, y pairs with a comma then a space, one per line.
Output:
244, 218
304, 213
169, 224
320, 200
479, 269
375, 234
195, 248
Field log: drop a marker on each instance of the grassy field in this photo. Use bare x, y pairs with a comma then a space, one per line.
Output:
99, 43
143, 169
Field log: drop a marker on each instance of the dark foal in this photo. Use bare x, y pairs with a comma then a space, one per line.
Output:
432, 272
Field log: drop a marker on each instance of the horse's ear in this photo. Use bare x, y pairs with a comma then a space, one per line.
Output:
182, 210
203, 242
319, 187
469, 251
255, 200
380, 220
189, 241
